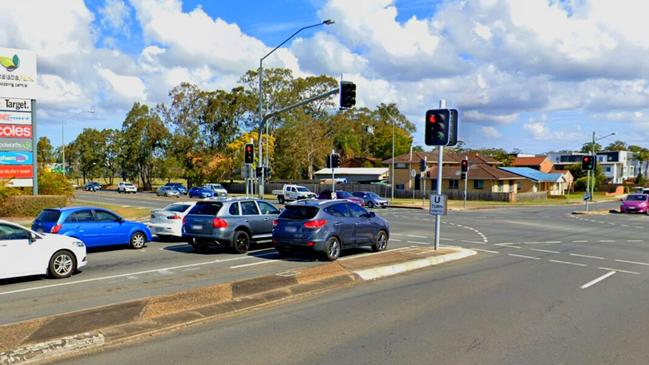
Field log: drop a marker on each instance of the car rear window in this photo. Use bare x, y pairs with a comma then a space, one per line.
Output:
177, 208
636, 198
206, 208
299, 212
343, 195
49, 215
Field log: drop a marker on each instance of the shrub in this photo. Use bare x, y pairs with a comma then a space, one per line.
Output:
29, 205
54, 183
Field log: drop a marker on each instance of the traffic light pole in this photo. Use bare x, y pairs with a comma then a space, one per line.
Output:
466, 181
440, 165
333, 174
587, 189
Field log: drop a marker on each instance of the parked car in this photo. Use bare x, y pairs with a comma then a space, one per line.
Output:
328, 227
340, 194
635, 203
291, 193
371, 199
200, 192
25, 252
229, 222
96, 227
167, 191
92, 186
178, 186
126, 187
168, 221
218, 189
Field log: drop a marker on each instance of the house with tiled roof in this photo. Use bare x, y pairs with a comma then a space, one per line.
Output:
536, 181
481, 178
540, 163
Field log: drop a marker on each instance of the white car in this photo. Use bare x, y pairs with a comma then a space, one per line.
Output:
218, 189
25, 252
168, 221
126, 187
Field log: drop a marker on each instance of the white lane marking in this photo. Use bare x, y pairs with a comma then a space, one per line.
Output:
635, 240
593, 282
618, 270
535, 242
507, 245
587, 256
568, 263
482, 250
217, 261
475, 242
541, 250
523, 256
415, 236
420, 243
606, 241
633, 262
395, 240
254, 264
580, 241
397, 234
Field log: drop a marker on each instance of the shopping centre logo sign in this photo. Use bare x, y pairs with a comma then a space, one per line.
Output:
10, 63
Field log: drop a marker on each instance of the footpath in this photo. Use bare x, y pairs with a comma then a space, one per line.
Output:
69, 334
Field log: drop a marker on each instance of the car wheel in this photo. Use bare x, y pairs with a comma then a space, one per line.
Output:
370, 204
332, 249
240, 242
138, 239
284, 252
381, 242
62, 264
280, 199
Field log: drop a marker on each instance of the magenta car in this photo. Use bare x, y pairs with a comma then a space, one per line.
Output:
635, 203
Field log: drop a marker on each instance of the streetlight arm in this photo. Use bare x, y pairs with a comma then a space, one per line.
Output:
327, 22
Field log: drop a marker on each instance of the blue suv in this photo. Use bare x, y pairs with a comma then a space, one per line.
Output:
96, 227
327, 227
200, 192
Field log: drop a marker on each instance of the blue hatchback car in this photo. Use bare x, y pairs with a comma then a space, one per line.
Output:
96, 227
328, 226
178, 186
200, 192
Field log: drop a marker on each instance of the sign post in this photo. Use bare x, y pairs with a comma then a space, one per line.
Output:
438, 205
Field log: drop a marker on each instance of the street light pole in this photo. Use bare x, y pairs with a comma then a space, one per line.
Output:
261, 102
592, 149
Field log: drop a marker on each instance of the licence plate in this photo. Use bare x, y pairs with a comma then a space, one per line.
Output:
197, 227
291, 229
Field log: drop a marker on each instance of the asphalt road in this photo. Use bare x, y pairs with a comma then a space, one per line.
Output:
536, 298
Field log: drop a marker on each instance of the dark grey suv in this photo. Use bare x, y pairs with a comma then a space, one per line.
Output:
328, 226
229, 222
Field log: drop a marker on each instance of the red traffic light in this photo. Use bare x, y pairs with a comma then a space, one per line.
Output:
432, 119
586, 159
248, 148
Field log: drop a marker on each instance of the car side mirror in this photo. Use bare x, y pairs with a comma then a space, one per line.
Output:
372, 214
32, 237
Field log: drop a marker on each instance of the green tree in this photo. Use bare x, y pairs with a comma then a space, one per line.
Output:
616, 146
145, 137
112, 150
588, 147
86, 154
44, 153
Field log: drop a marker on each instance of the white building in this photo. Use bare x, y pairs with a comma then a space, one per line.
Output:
617, 166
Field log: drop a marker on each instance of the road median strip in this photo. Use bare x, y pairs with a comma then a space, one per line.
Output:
67, 334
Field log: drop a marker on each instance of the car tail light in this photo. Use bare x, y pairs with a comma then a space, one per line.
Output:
219, 223
56, 228
275, 222
316, 224
175, 216
310, 244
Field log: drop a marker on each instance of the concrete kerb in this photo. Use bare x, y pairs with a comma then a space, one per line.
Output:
72, 333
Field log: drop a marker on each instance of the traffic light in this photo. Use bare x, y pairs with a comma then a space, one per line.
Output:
587, 163
464, 166
453, 126
347, 94
437, 127
335, 160
422, 165
249, 153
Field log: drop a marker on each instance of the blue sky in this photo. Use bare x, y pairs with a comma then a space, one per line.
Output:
537, 75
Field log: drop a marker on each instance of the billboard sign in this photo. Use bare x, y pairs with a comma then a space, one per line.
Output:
17, 73
15, 144
15, 131
16, 118
15, 105
20, 183
16, 172
16, 158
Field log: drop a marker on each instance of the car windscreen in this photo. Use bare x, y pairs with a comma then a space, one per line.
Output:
298, 212
374, 195
206, 208
343, 195
176, 208
636, 198
302, 189
49, 215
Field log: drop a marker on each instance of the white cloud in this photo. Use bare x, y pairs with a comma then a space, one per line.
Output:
540, 131
491, 132
115, 14
125, 87
324, 54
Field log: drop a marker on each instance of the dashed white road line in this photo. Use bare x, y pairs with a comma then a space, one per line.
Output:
568, 263
395, 240
542, 250
483, 250
635, 240
606, 241
633, 262
254, 264
593, 282
507, 245
580, 241
415, 236
474, 242
523, 256
420, 243
587, 256
618, 270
